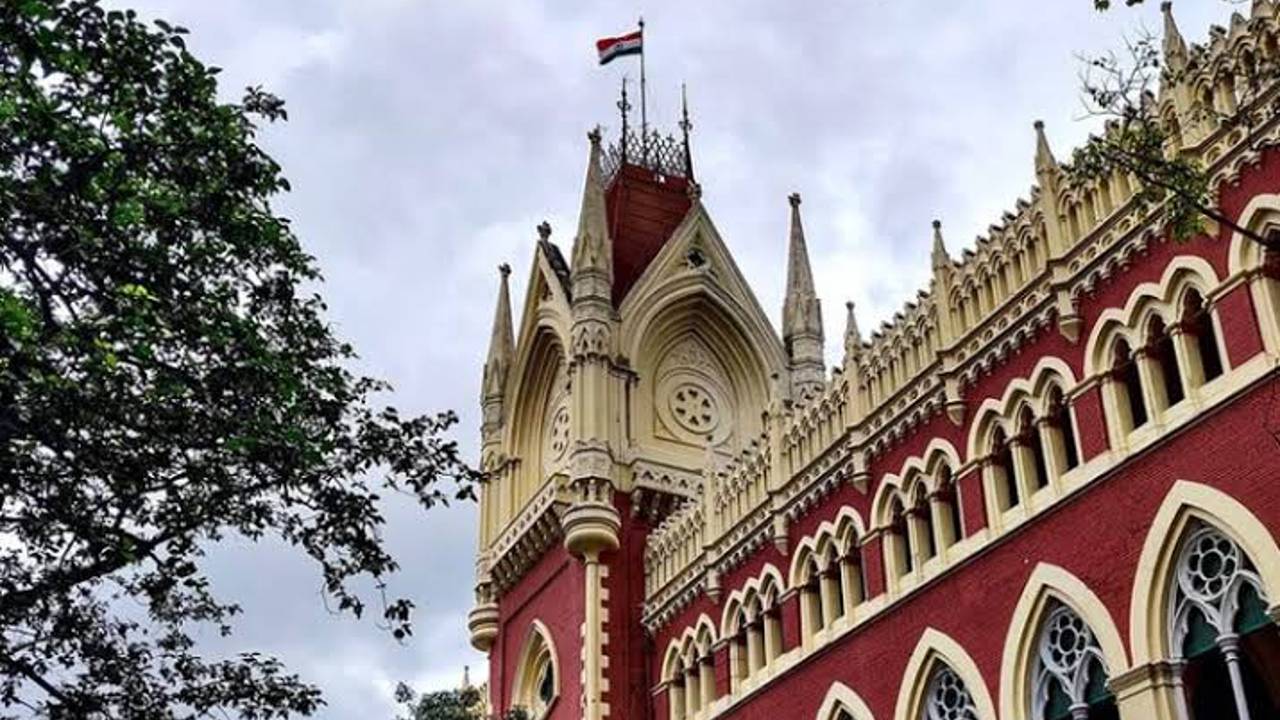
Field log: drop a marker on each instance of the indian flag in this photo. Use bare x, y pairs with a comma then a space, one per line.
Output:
612, 47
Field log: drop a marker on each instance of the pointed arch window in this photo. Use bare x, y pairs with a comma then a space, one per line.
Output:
1062, 430
854, 591
1221, 629
947, 698
1036, 468
1003, 480
811, 597
1124, 371
1069, 676
901, 554
1198, 323
537, 683
950, 526
922, 519
833, 583
1165, 358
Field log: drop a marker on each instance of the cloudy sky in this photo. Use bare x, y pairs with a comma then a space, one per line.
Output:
427, 139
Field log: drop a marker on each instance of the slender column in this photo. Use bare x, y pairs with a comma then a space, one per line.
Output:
826, 596
692, 692
1179, 691
1188, 354
1230, 646
707, 681
944, 535
675, 697
591, 689
1055, 449
755, 653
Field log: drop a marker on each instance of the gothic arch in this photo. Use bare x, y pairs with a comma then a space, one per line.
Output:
1261, 215
1051, 582
533, 418
840, 697
936, 648
1185, 502
1033, 389
1181, 271
696, 341
538, 642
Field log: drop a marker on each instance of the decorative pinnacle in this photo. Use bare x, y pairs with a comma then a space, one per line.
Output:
1045, 161
794, 199
594, 135
940, 256
544, 231
504, 269
1175, 48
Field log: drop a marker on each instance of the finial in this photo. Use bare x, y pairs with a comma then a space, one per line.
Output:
1045, 161
544, 231
504, 269
940, 256
594, 135
794, 199
685, 127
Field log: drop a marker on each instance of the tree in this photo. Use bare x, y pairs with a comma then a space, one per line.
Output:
167, 379
1139, 143
462, 704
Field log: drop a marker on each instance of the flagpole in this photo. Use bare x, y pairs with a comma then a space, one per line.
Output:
644, 115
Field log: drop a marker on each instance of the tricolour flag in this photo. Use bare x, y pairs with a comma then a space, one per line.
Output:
629, 44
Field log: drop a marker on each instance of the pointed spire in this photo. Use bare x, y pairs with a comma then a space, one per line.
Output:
941, 259
501, 344
1175, 48
685, 127
802, 312
852, 336
592, 250
1045, 162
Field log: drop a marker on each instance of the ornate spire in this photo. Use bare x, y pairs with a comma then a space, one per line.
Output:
801, 313
1045, 162
939, 256
852, 336
1175, 48
501, 345
592, 249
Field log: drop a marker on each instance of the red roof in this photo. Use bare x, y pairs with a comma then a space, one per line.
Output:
644, 209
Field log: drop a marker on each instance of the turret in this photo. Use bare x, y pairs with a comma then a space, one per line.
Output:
498, 363
852, 339
802, 314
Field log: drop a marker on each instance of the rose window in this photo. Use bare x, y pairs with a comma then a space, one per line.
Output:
694, 409
948, 698
1065, 641
1210, 563
558, 436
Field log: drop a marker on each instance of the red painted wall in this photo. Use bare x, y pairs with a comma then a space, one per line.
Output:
552, 592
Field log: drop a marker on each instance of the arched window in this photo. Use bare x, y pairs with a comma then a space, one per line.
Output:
676, 690
739, 662
1063, 431
1198, 323
811, 597
854, 590
536, 682
770, 625
1125, 373
950, 527
1003, 479
1037, 469
706, 667
922, 518
1162, 353
832, 583
1221, 628
900, 539
1069, 678
947, 698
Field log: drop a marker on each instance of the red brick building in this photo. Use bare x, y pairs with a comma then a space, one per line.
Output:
1048, 488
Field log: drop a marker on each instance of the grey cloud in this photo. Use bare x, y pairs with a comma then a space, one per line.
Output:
427, 138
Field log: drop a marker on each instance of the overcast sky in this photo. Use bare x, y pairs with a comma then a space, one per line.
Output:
427, 139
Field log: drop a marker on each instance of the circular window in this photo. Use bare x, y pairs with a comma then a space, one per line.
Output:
558, 434
694, 408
